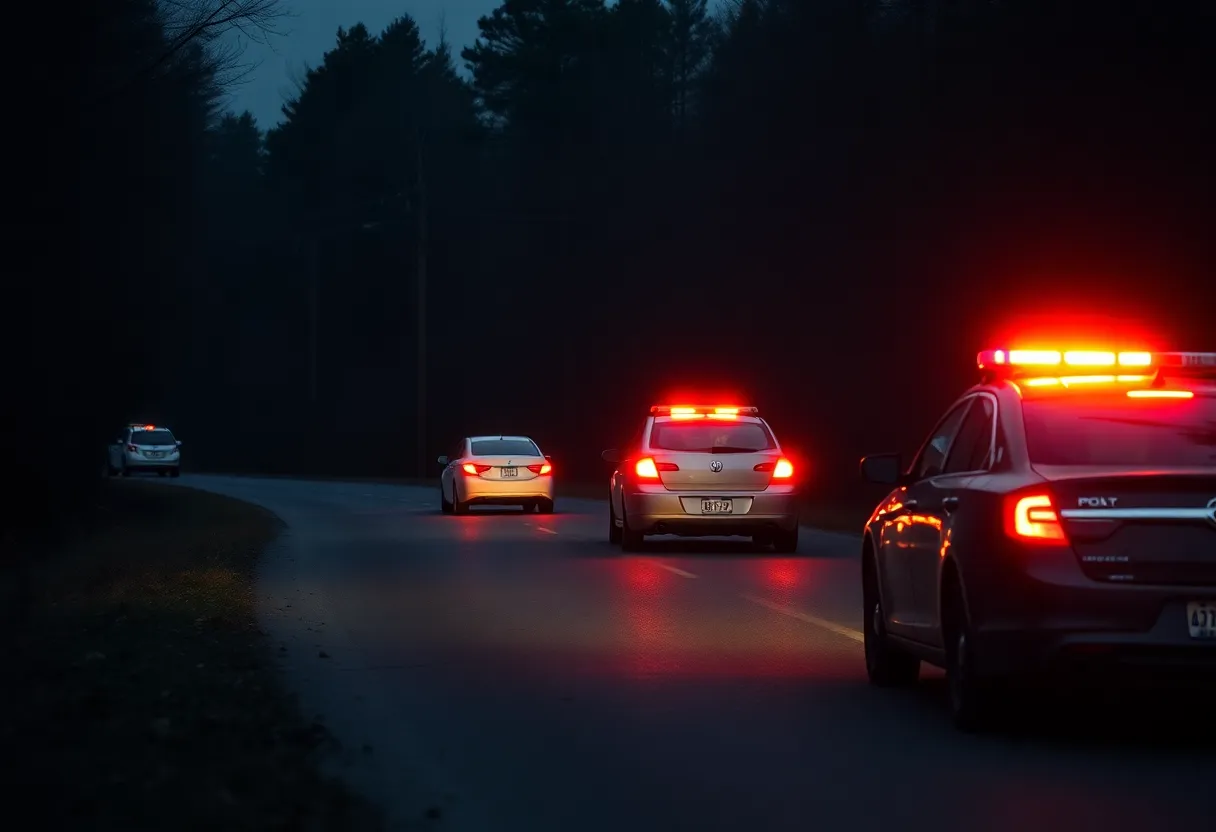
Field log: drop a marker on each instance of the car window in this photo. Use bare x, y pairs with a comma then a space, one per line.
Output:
933, 454
973, 445
1117, 430
711, 436
505, 447
146, 438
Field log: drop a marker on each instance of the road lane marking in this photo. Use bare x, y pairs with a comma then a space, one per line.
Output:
673, 569
546, 531
823, 623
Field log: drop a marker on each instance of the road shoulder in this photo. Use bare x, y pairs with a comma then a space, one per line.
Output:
144, 694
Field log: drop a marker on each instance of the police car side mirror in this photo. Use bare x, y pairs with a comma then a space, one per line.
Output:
611, 455
882, 468
443, 461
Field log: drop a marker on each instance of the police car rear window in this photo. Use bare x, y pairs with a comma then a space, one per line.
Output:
504, 447
711, 437
151, 437
1120, 431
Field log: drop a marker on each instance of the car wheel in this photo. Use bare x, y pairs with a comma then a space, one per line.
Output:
444, 504
544, 506
886, 665
458, 507
126, 472
175, 472
971, 697
785, 543
631, 541
614, 531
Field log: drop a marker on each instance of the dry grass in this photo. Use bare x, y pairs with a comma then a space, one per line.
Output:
144, 696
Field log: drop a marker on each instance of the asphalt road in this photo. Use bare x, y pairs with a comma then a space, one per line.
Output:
515, 672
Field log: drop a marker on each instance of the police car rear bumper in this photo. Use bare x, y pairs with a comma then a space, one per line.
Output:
1092, 646
680, 512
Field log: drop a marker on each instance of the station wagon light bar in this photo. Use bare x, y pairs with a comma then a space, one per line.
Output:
702, 411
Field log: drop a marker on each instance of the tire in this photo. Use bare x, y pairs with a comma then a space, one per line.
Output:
971, 697
785, 543
175, 472
125, 471
631, 541
544, 506
886, 665
614, 531
458, 507
444, 505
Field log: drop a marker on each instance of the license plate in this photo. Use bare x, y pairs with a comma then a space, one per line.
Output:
156, 454
1201, 619
717, 506
507, 473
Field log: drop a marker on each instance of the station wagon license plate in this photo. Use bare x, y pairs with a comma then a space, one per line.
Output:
1201, 619
507, 473
717, 506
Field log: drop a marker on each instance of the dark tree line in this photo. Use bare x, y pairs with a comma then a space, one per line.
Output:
822, 205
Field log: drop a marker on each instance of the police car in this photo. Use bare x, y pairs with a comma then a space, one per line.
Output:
1060, 517
703, 470
145, 448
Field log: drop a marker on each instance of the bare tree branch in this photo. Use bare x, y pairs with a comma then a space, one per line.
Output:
204, 22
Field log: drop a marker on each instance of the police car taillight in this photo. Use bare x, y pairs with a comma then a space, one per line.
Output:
1032, 518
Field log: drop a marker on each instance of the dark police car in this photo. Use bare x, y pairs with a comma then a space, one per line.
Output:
1060, 516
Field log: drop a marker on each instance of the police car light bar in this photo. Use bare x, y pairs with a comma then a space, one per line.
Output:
1073, 367
1038, 360
701, 411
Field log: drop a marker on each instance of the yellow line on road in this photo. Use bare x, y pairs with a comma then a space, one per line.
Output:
823, 623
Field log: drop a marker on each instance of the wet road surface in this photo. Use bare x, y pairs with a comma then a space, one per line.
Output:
516, 672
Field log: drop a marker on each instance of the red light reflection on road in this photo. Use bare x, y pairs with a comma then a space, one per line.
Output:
669, 631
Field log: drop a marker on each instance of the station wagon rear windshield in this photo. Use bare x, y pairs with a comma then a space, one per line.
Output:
1116, 430
152, 437
711, 437
504, 447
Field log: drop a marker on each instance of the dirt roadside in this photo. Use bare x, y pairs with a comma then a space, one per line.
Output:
142, 694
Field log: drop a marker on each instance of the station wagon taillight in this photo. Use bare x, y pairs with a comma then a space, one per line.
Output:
647, 469
782, 469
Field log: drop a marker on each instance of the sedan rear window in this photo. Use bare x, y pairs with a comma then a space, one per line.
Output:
1116, 430
152, 437
504, 447
711, 437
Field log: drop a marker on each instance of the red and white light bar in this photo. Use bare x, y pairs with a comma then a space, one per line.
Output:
702, 411
1039, 360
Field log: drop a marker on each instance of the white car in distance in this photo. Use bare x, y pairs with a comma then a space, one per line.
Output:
145, 448
496, 471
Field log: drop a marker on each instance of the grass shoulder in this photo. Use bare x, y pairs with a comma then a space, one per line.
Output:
144, 695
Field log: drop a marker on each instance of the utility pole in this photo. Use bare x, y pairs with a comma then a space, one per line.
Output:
314, 291
420, 209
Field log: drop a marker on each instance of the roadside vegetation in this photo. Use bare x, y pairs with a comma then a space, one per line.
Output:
143, 695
